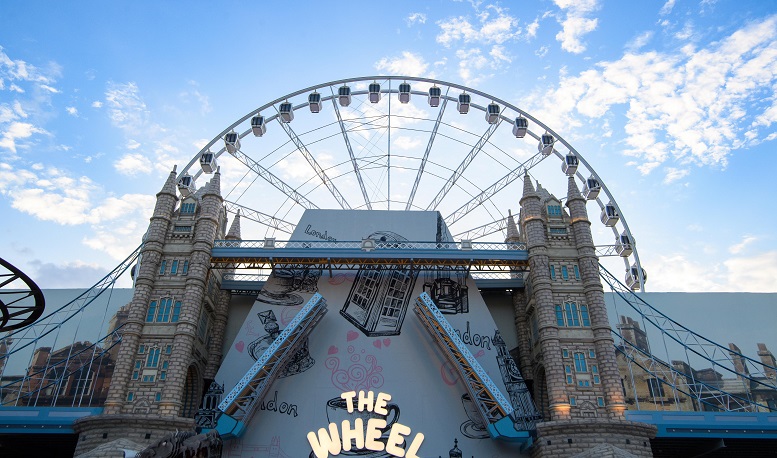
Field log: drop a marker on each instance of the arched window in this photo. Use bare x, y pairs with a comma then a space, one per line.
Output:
572, 315
559, 316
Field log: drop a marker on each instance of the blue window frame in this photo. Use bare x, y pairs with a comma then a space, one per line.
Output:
176, 313
600, 401
580, 364
554, 210
174, 268
185, 268
564, 273
130, 396
162, 267
152, 360
553, 272
151, 312
584, 316
577, 272
187, 208
559, 316
163, 314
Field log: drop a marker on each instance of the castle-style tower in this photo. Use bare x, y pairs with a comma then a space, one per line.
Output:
566, 352
172, 338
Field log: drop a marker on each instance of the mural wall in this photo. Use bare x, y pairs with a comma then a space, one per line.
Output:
369, 340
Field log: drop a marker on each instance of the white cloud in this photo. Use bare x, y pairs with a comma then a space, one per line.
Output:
673, 174
408, 64
97, 104
415, 18
576, 24
17, 131
493, 26
127, 110
131, 164
679, 273
639, 41
667, 8
739, 247
132, 144
406, 143
72, 111
692, 106
753, 274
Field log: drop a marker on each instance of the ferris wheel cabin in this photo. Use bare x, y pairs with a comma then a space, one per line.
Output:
569, 166
374, 92
286, 112
344, 96
232, 142
258, 126
435, 94
208, 162
464, 101
492, 113
591, 188
186, 185
546, 144
314, 102
632, 277
404, 92
609, 215
624, 245
520, 126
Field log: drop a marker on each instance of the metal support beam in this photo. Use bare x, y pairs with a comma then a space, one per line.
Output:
494, 188
482, 231
428, 149
347, 141
314, 164
279, 184
261, 218
463, 166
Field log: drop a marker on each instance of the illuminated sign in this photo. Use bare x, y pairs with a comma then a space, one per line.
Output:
376, 411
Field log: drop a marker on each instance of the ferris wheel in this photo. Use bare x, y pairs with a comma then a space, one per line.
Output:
399, 143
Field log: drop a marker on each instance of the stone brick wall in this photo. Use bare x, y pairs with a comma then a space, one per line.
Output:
567, 438
141, 429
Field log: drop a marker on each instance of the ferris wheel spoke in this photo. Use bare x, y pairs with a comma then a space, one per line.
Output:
483, 231
279, 184
261, 218
350, 153
314, 164
432, 136
489, 192
464, 164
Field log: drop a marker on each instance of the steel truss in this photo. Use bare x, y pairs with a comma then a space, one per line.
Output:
261, 218
693, 345
240, 404
502, 420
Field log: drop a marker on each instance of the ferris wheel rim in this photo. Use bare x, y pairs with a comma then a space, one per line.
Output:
450, 85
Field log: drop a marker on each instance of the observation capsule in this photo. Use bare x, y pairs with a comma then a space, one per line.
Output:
520, 126
232, 141
435, 93
624, 245
208, 162
374, 92
609, 215
632, 277
569, 166
186, 185
257, 125
404, 92
492, 113
464, 102
286, 112
314, 102
344, 95
546, 144
591, 188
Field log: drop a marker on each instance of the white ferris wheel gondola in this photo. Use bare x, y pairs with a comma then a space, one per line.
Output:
464, 102
591, 188
208, 162
492, 113
286, 112
546, 144
624, 245
314, 102
435, 94
344, 95
520, 126
632, 277
374, 92
232, 142
186, 185
404, 92
609, 215
569, 165
258, 127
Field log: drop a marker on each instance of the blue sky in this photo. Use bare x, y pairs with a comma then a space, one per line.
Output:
672, 102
